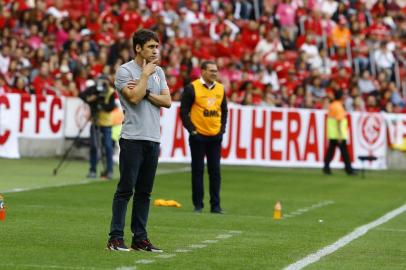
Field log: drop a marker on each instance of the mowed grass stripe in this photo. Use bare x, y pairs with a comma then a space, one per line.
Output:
87, 181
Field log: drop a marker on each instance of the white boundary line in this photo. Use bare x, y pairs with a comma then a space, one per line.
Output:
127, 268
84, 182
52, 266
360, 231
391, 230
181, 250
301, 211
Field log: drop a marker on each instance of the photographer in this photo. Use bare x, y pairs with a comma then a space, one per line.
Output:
100, 98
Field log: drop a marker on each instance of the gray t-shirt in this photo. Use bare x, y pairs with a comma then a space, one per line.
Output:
141, 121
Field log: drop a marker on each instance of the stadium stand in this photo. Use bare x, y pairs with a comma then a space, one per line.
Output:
288, 53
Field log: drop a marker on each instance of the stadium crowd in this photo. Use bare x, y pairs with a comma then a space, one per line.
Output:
287, 53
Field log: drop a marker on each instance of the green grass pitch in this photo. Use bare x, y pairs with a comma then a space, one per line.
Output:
62, 222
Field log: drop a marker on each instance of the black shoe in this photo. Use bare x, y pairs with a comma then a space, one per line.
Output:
117, 244
145, 245
352, 173
327, 171
198, 210
107, 175
91, 174
217, 211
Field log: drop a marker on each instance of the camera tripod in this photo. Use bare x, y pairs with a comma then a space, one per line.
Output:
97, 142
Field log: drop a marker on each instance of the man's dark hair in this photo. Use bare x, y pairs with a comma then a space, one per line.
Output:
206, 63
338, 94
142, 36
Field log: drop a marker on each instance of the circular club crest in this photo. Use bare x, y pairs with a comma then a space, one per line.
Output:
370, 131
82, 115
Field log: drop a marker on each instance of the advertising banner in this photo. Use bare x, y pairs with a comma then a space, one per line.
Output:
9, 113
77, 117
262, 136
40, 116
396, 126
279, 137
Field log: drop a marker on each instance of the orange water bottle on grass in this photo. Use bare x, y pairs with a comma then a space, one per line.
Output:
2, 209
277, 212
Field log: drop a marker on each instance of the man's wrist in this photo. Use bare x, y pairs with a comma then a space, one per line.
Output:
194, 132
147, 92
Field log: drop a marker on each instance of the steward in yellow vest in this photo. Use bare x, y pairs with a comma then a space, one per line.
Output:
337, 134
204, 112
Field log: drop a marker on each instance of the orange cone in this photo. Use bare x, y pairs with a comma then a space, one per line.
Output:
277, 211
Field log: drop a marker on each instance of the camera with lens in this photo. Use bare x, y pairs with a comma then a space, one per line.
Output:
102, 87
96, 96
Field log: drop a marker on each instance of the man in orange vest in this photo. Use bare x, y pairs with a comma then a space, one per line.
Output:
204, 114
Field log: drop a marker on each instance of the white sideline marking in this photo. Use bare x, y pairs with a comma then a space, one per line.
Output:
144, 261
301, 211
165, 256
210, 241
180, 250
223, 236
358, 232
84, 182
50, 266
16, 190
390, 230
198, 246
235, 232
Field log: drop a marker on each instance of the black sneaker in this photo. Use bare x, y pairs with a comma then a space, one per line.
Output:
107, 175
145, 245
217, 210
327, 171
117, 244
91, 174
198, 210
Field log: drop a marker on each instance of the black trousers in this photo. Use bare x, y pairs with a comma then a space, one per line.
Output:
342, 145
209, 147
138, 163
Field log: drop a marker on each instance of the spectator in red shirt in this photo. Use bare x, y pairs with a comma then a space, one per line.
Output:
360, 53
130, 18
379, 8
104, 37
20, 86
372, 104
313, 23
250, 35
111, 15
199, 51
223, 47
378, 30
43, 84
93, 22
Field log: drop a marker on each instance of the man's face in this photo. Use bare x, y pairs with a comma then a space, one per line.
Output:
210, 73
150, 50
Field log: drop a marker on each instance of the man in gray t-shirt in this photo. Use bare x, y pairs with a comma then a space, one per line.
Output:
142, 89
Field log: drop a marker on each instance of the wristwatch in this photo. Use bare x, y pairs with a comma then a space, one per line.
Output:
147, 92
194, 132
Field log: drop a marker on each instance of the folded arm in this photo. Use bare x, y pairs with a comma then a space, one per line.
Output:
161, 100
